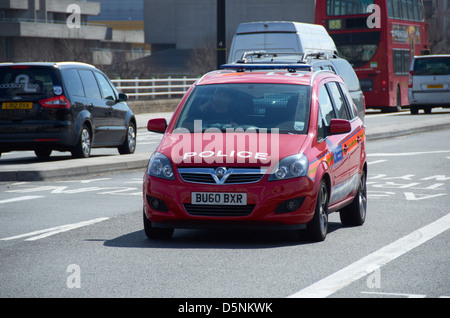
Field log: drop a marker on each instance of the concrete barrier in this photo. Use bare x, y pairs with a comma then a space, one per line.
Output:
153, 106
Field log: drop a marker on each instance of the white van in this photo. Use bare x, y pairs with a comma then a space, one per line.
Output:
280, 37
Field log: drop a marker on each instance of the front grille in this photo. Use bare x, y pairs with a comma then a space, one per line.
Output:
219, 210
231, 175
197, 177
243, 178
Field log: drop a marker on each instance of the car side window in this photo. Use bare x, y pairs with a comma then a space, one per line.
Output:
105, 87
72, 81
338, 99
351, 106
90, 84
326, 112
321, 133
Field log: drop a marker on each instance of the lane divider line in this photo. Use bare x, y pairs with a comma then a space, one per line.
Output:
374, 261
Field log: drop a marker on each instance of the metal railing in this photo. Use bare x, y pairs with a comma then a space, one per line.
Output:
156, 87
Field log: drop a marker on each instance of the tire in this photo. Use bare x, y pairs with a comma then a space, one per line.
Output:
317, 229
83, 147
427, 109
154, 232
43, 153
414, 110
355, 213
129, 145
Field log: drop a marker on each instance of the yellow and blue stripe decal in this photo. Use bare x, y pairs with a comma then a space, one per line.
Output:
338, 153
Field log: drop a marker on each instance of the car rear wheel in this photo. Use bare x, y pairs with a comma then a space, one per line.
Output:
83, 147
317, 229
355, 213
155, 232
129, 145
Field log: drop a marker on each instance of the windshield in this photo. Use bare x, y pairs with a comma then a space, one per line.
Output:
432, 66
357, 48
30, 83
247, 106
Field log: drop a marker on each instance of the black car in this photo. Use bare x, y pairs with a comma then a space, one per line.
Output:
64, 106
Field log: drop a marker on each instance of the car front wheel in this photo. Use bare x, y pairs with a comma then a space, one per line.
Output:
155, 232
317, 229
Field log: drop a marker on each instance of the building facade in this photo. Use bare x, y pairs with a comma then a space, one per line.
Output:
58, 30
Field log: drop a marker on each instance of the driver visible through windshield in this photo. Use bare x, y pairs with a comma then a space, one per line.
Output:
283, 107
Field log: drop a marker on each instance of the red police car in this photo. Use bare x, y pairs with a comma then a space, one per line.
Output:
265, 146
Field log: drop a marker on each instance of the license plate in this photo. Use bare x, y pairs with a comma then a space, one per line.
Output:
219, 198
17, 105
435, 86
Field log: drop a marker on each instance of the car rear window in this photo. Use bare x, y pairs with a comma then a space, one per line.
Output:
247, 106
432, 66
30, 83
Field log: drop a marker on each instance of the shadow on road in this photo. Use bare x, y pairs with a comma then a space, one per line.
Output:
216, 239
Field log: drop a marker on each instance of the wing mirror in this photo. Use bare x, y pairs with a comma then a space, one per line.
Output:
340, 126
122, 97
157, 125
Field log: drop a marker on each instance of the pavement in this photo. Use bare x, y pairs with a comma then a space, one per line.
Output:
378, 126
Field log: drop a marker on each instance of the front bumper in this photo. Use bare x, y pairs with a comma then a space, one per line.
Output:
262, 210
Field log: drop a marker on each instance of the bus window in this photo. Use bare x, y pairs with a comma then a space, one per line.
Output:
347, 7
357, 48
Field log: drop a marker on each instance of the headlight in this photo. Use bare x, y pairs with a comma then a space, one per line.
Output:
160, 167
290, 167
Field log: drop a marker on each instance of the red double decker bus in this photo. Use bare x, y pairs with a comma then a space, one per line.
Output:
379, 38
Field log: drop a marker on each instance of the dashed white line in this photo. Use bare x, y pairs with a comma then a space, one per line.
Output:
372, 262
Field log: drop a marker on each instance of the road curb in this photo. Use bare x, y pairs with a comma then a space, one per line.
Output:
405, 132
79, 167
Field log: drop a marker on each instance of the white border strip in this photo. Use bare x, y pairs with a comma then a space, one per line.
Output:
371, 262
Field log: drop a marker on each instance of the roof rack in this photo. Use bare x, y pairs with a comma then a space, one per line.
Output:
263, 57
320, 55
251, 67
262, 60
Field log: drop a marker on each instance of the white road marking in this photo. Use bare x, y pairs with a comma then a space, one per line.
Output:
375, 162
399, 154
374, 261
415, 197
24, 198
36, 235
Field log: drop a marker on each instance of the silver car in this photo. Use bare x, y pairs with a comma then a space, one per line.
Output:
429, 82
